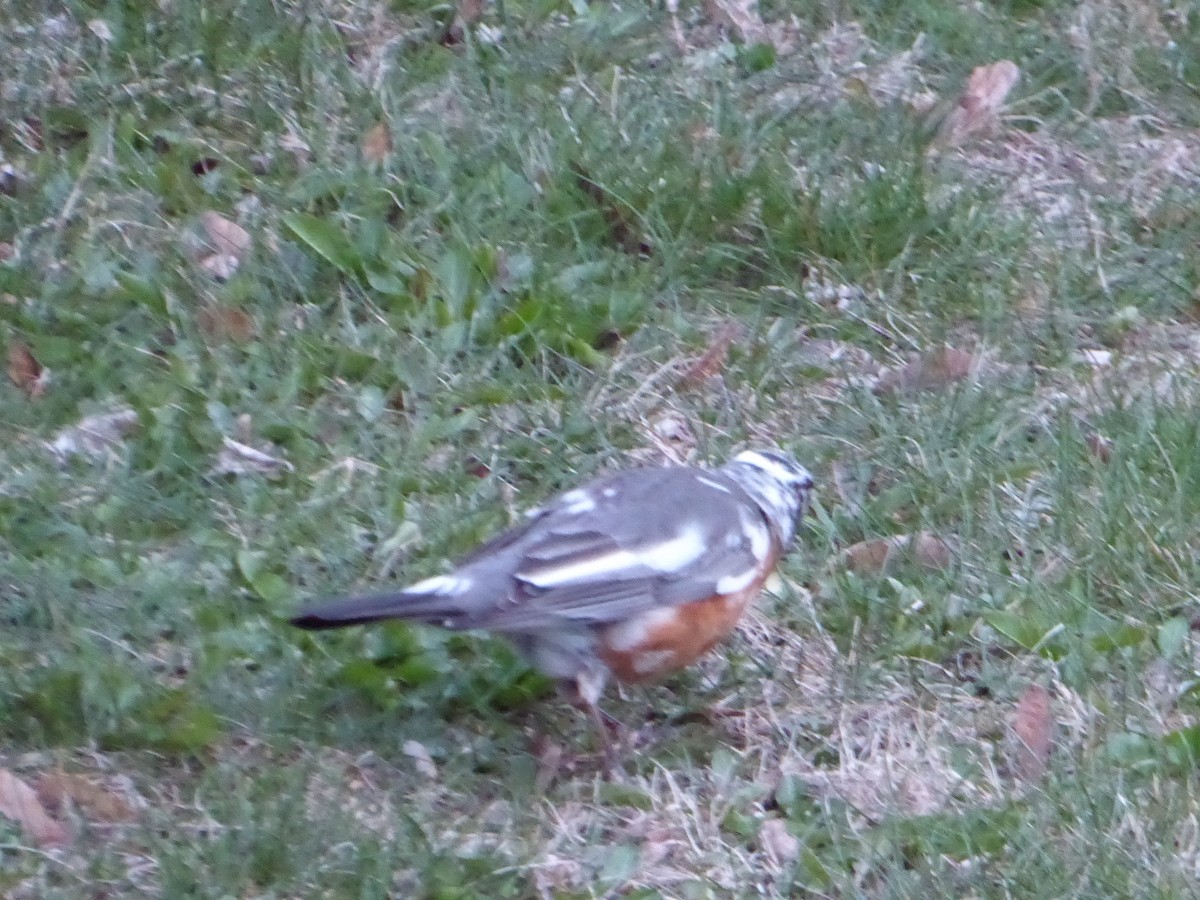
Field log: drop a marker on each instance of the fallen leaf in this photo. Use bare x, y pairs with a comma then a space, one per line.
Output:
468, 12
1097, 359
227, 323
417, 752
96, 802
712, 361
236, 458
220, 266
550, 761
1033, 729
19, 802
936, 369
742, 15
94, 435
931, 551
877, 556
25, 371
204, 165
377, 143
672, 433
227, 237
6, 251
554, 874
100, 29
981, 101
1099, 446
781, 845
614, 213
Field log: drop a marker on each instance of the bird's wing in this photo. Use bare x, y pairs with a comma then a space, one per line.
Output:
626, 544
600, 553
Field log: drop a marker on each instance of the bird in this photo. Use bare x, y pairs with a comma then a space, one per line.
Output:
634, 575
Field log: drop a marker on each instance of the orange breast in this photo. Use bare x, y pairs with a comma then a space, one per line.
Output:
664, 640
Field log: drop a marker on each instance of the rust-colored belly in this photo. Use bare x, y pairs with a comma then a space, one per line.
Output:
667, 639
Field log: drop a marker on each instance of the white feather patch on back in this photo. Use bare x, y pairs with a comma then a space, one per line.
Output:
669, 556
716, 485
580, 571
441, 584
673, 555
577, 502
731, 584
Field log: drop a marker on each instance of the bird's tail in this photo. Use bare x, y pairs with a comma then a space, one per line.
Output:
413, 606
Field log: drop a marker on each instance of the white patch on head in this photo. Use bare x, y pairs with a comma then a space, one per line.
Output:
577, 502
716, 485
759, 535
633, 632
772, 468
441, 584
609, 492
731, 584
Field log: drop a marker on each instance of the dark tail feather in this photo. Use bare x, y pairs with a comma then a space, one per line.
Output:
377, 608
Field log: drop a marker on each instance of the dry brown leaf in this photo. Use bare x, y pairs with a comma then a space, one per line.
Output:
19, 802
616, 213
95, 801
931, 551
471, 11
227, 237
377, 143
237, 458
673, 435
25, 371
219, 266
780, 844
742, 15
467, 13
875, 557
227, 323
550, 761
1099, 446
867, 557
94, 434
936, 369
6, 251
1033, 729
981, 101
712, 361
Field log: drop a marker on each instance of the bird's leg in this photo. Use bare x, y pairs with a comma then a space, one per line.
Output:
583, 692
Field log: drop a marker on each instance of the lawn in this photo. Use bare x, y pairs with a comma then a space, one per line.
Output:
303, 298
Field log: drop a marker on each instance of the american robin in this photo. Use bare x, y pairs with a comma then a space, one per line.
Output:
636, 574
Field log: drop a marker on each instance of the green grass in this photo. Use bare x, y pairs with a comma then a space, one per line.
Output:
502, 306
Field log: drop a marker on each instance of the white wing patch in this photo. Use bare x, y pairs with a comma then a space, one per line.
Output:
715, 485
441, 584
582, 570
669, 556
673, 555
577, 502
731, 584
